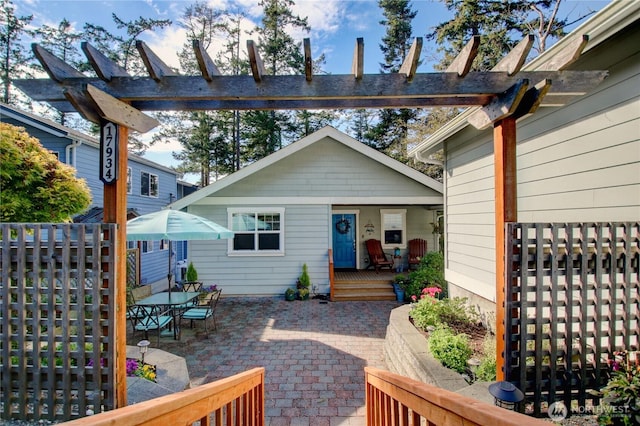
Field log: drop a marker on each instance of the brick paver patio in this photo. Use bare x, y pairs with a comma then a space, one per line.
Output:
313, 353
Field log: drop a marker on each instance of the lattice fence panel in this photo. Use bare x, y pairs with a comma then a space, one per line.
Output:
572, 294
56, 320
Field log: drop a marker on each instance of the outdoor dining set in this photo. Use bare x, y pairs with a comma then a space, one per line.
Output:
164, 312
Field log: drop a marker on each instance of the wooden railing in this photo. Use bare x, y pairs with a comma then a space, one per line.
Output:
236, 400
393, 400
331, 275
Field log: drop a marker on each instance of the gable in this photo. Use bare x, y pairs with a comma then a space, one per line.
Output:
326, 169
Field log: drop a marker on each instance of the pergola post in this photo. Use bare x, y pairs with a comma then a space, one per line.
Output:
115, 211
504, 146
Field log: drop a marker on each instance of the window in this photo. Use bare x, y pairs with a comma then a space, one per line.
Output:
129, 177
394, 228
257, 231
164, 244
147, 246
148, 184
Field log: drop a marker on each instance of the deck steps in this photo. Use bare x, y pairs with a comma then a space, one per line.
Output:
353, 290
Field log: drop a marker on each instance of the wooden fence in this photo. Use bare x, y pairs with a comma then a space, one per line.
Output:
56, 320
235, 401
572, 294
395, 400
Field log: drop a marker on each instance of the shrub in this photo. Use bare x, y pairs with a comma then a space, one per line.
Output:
192, 274
430, 273
452, 350
304, 281
622, 392
486, 371
431, 311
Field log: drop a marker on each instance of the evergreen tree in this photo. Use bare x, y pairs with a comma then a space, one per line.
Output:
63, 42
389, 134
267, 131
14, 55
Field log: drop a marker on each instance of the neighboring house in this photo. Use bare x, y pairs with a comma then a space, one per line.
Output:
325, 191
150, 186
575, 163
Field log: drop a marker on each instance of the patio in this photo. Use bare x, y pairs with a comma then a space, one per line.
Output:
314, 354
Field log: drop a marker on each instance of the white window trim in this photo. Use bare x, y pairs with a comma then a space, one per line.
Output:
255, 253
403, 243
149, 247
150, 195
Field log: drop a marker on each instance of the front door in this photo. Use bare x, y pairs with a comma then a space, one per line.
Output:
344, 241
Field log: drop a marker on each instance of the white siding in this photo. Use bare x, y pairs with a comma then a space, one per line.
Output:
578, 163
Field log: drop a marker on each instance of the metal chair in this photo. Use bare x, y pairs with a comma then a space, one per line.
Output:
157, 319
204, 312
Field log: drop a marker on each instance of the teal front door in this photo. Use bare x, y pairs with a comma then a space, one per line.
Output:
344, 241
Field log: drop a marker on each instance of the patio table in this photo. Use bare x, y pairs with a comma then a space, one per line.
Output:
170, 300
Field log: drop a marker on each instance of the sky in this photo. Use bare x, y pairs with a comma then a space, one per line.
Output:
335, 26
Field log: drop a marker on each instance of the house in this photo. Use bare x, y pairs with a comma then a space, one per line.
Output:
151, 186
324, 192
575, 163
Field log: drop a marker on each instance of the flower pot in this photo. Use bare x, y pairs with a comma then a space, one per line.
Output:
289, 296
400, 295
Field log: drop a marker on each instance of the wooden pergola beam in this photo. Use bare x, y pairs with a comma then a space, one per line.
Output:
567, 56
208, 68
357, 65
255, 61
410, 64
308, 60
515, 59
500, 107
295, 92
156, 68
104, 67
532, 99
462, 63
57, 69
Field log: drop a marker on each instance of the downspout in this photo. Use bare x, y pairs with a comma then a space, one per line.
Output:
423, 159
67, 152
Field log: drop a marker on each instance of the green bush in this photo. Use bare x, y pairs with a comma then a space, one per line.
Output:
430, 273
452, 350
486, 371
430, 311
192, 274
304, 281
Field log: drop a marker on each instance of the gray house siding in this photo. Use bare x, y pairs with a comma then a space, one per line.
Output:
306, 241
329, 169
578, 163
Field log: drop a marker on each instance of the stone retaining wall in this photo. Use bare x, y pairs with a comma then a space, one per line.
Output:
406, 353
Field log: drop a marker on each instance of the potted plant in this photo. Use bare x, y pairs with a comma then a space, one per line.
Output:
399, 286
304, 282
192, 274
303, 294
289, 294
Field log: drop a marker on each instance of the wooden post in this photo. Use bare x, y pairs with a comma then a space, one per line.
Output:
504, 146
115, 211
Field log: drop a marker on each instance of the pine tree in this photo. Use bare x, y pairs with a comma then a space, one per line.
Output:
14, 54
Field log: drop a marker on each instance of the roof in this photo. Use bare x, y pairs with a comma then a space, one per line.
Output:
61, 131
326, 132
96, 215
609, 21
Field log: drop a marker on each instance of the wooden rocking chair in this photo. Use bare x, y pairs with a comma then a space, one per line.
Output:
377, 257
417, 249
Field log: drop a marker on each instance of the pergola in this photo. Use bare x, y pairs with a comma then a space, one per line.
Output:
116, 100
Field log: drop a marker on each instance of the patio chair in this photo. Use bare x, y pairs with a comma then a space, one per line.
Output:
192, 286
377, 257
417, 249
135, 312
157, 319
203, 312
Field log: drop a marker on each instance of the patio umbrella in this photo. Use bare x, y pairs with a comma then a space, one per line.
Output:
174, 225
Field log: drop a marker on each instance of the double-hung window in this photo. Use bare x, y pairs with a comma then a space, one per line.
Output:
148, 184
257, 231
394, 228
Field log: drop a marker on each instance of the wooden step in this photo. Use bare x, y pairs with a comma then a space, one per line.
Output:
359, 290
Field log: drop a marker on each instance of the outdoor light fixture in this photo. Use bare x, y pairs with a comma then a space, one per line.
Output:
473, 364
506, 395
143, 345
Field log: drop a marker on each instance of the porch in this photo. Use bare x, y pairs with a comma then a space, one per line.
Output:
363, 285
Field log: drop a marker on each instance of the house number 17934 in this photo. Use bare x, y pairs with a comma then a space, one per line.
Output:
109, 153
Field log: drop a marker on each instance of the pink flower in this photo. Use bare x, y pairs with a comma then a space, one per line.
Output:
414, 298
